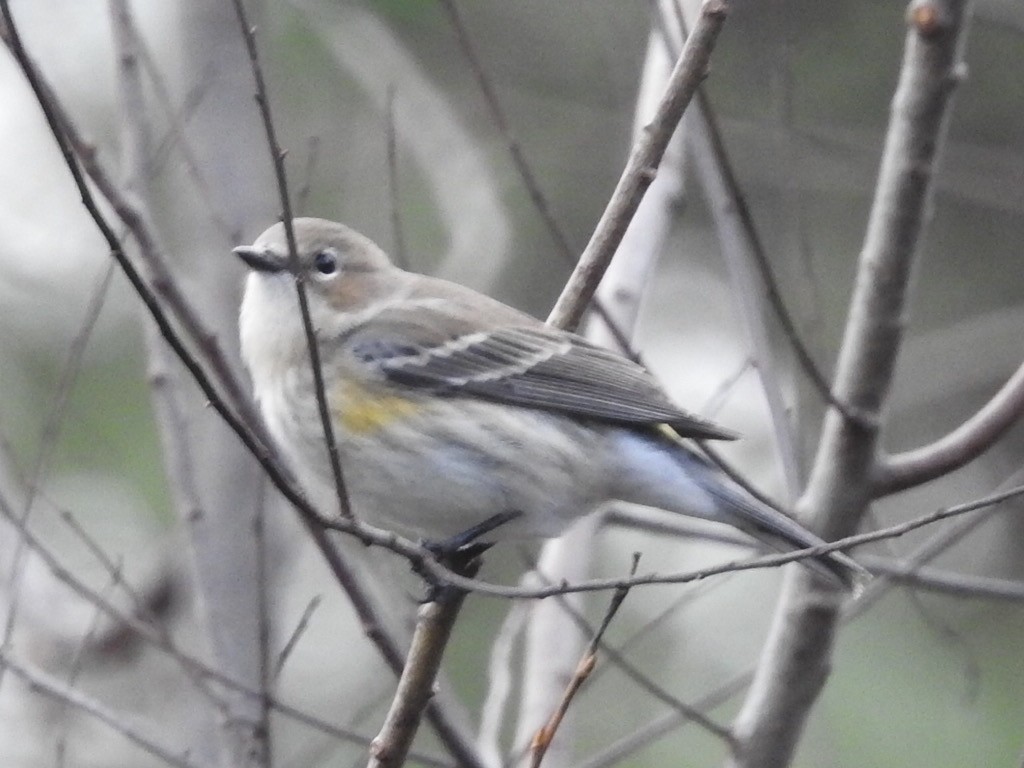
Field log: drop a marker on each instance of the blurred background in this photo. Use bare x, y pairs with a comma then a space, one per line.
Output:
801, 91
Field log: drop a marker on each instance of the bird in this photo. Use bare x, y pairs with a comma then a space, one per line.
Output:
451, 409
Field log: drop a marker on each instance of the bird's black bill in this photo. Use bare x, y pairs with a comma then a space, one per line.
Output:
258, 259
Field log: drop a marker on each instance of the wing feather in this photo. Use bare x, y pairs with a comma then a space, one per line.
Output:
525, 365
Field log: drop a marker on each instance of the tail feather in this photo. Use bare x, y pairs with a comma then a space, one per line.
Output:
668, 475
783, 534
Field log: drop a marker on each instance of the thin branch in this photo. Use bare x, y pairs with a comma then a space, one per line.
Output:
74, 149
748, 229
552, 647
442, 575
149, 606
944, 582
42, 683
641, 168
543, 737
79, 155
515, 149
617, 657
293, 639
980, 432
280, 173
244, 732
712, 169
261, 748
734, 474
935, 580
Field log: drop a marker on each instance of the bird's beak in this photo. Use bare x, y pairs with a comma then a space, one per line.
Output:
258, 259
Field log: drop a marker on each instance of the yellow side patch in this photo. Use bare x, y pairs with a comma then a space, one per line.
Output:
361, 412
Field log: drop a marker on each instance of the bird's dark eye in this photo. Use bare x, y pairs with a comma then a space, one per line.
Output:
326, 262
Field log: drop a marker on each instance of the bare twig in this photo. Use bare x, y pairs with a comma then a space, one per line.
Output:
515, 149
552, 647
434, 625
965, 443
259, 731
943, 582
640, 168
874, 591
74, 670
617, 657
79, 155
49, 686
738, 240
795, 662
899, 570
435, 571
751, 235
293, 639
280, 173
149, 605
543, 737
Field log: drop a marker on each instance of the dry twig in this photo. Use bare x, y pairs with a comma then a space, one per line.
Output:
542, 739
640, 168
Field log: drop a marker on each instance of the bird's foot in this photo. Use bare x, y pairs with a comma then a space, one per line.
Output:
461, 553
468, 541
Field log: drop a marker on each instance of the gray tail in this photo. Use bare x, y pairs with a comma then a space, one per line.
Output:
661, 472
779, 531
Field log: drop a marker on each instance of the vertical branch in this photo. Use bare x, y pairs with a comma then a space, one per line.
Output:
794, 664
243, 732
434, 626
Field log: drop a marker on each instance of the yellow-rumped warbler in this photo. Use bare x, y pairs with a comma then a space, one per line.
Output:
450, 407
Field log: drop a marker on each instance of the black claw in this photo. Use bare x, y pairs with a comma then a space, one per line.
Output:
469, 538
461, 553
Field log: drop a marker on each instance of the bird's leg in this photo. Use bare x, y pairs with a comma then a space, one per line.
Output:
464, 546
460, 553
